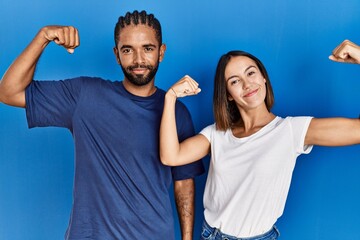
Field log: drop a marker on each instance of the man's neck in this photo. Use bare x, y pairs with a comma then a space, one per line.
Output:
141, 91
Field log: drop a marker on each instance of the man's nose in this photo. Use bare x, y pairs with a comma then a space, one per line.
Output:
139, 58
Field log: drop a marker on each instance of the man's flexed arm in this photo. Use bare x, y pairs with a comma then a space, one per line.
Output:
21, 71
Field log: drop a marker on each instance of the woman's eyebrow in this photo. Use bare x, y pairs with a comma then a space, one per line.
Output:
251, 66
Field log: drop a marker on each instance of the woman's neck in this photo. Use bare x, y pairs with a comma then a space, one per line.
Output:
251, 122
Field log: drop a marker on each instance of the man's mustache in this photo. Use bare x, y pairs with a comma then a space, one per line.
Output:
140, 66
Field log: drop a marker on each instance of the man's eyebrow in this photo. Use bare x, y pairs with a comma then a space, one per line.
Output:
125, 46
145, 45
150, 45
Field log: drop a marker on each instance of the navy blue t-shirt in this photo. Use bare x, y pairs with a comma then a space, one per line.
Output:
120, 186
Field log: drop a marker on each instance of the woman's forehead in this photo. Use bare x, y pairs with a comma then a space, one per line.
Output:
239, 63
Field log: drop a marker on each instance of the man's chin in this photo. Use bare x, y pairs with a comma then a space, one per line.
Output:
139, 81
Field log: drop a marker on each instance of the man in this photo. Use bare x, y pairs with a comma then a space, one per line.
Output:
120, 186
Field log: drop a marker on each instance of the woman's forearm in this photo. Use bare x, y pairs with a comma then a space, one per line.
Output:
169, 143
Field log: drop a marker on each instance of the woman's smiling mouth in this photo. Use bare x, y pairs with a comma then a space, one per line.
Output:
251, 93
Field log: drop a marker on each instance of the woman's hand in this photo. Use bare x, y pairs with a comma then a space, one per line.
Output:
186, 86
347, 52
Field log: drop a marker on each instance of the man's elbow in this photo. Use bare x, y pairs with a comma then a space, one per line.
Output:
4, 97
15, 100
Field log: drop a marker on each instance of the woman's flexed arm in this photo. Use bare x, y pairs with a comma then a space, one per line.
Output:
337, 131
173, 153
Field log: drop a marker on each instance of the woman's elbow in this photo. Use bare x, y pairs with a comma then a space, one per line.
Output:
167, 161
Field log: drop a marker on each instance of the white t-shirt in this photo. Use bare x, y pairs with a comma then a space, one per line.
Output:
249, 178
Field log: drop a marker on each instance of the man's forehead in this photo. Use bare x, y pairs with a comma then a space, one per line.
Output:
137, 29
138, 35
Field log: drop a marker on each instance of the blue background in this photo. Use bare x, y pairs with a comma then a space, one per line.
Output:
292, 38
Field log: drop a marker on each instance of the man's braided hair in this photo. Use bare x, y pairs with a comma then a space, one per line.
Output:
136, 18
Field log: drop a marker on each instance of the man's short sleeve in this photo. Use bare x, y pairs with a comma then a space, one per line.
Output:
51, 103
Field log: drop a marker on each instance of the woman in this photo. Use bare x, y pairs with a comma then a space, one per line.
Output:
253, 152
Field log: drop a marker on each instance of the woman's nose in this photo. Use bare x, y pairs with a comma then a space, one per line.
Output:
246, 84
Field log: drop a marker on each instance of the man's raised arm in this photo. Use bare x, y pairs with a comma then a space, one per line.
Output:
21, 72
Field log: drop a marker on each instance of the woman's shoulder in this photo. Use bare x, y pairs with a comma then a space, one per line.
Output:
212, 130
211, 127
295, 121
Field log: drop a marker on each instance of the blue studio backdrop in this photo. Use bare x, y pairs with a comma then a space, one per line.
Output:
292, 38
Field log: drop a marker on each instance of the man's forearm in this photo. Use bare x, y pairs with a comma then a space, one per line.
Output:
185, 204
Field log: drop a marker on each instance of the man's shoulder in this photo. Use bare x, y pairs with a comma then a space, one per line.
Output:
86, 82
89, 80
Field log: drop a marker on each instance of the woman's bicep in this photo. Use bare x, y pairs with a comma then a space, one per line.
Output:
333, 132
194, 148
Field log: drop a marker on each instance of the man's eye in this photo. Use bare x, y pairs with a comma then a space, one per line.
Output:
126, 50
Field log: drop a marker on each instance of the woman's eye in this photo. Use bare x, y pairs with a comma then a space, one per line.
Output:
235, 81
251, 73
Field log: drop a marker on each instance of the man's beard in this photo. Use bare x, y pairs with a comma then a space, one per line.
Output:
140, 79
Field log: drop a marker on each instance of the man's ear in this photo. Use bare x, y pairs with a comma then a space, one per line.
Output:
162, 51
116, 52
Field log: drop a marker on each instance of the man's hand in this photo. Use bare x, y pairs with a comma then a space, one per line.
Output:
347, 52
66, 36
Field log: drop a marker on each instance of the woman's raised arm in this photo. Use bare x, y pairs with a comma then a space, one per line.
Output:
173, 153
